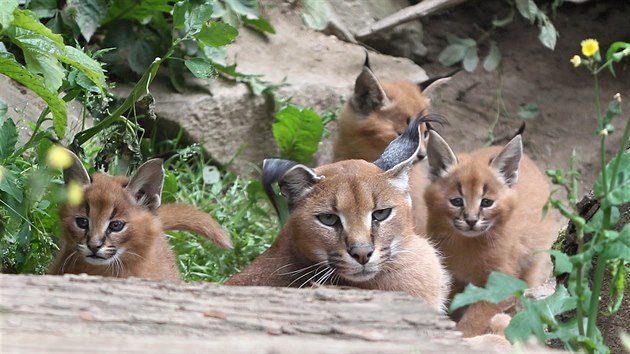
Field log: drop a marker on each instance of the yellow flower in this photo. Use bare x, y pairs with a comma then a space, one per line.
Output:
74, 193
58, 157
576, 60
589, 47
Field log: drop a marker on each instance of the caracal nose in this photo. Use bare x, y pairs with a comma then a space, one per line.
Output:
361, 253
471, 222
95, 245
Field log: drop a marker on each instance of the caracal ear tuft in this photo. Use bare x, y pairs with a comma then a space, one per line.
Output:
428, 86
441, 157
366, 63
295, 180
508, 161
76, 172
369, 95
146, 184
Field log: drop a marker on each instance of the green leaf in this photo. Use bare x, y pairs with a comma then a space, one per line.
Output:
471, 59
613, 53
247, 8
529, 111
595, 223
23, 19
136, 10
8, 138
217, 34
12, 69
211, 175
88, 15
43, 8
47, 66
499, 287
493, 59
298, 133
259, 24
196, 16
141, 55
201, 68
452, 54
316, 14
562, 262
88, 66
9, 184
527, 9
6, 12
619, 191
179, 13
453, 39
548, 34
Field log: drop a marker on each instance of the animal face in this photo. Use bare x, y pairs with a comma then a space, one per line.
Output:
352, 221
106, 226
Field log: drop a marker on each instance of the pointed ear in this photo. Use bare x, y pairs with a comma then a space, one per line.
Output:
76, 172
366, 63
295, 180
146, 185
441, 157
508, 160
369, 95
400, 155
431, 84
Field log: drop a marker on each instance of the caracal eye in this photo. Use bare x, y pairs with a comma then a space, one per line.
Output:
485, 202
82, 223
116, 226
328, 219
457, 202
381, 214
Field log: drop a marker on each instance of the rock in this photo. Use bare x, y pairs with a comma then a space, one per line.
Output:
316, 70
25, 106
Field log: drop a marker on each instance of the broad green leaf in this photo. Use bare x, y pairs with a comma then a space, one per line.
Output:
452, 54
9, 184
247, 8
558, 302
548, 34
217, 34
23, 19
562, 263
493, 59
6, 12
12, 69
619, 191
298, 133
47, 66
141, 55
43, 8
498, 288
211, 175
196, 16
179, 13
527, 9
259, 24
528, 111
595, 223
136, 10
618, 284
201, 68
8, 138
316, 14
519, 328
88, 15
471, 59
613, 53
88, 66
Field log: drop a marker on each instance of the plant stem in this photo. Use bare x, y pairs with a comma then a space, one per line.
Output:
597, 289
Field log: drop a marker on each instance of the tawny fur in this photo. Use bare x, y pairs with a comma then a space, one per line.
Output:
146, 251
365, 137
353, 189
515, 242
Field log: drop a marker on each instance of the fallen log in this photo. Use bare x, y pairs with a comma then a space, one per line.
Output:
79, 314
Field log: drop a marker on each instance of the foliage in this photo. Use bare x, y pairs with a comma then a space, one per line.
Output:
599, 244
298, 133
466, 50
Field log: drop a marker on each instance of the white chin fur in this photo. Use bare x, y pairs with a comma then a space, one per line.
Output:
98, 261
471, 233
359, 277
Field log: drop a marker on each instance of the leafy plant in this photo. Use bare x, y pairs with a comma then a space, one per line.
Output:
466, 50
598, 243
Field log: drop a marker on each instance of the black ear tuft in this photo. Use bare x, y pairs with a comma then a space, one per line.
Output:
295, 180
366, 63
401, 149
436, 81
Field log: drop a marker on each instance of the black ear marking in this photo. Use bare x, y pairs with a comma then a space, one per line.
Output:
436, 81
366, 63
295, 180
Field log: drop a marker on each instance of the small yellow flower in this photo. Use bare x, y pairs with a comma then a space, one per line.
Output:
576, 60
74, 193
58, 158
590, 47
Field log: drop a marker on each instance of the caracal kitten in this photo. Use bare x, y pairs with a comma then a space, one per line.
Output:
484, 215
378, 112
350, 223
118, 228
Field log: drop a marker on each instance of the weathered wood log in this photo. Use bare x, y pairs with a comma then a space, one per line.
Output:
407, 14
80, 314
